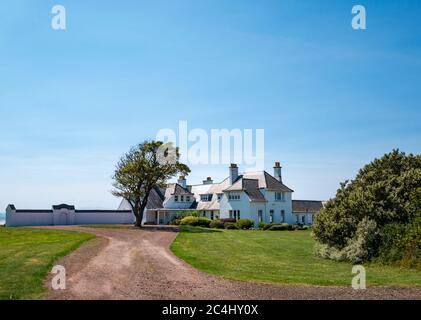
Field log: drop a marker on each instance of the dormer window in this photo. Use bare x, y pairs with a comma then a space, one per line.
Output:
188, 198
182, 198
206, 197
176, 198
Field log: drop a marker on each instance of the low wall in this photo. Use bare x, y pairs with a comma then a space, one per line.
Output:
65, 215
104, 217
29, 218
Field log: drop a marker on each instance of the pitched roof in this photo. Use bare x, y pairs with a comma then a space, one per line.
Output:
266, 181
156, 199
213, 189
176, 189
306, 206
250, 187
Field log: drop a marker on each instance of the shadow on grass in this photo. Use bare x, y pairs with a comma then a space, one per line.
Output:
191, 229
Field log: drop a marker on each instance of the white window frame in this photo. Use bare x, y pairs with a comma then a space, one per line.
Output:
234, 197
260, 215
279, 196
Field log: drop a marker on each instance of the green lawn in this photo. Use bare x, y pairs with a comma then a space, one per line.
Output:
27, 256
275, 256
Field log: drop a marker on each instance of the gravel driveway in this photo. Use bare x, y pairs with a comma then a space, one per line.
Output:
137, 264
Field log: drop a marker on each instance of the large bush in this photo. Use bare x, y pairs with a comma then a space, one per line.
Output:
218, 224
196, 221
281, 227
401, 244
355, 224
245, 224
230, 225
187, 213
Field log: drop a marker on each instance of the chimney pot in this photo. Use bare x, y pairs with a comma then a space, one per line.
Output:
277, 171
208, 181
182, 181
233, 170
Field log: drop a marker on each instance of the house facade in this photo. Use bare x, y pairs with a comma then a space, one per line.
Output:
258, 196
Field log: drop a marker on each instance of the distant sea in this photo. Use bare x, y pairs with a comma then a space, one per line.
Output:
2, 218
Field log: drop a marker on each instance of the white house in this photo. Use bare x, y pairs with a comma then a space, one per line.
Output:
252, 195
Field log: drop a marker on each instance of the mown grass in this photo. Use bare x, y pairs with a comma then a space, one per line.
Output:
27, 256
276, 257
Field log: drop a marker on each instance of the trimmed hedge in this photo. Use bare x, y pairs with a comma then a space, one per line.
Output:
245, 224
262, 225
281, 227
196, 221
217, 224
230, 225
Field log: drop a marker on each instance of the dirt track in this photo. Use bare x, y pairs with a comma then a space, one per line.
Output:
137, 264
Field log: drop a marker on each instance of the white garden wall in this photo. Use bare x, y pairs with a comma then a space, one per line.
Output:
65, 215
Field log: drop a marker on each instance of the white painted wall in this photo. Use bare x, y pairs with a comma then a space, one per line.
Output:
249, 210
17, 218
277, 206
170, 203
14, 219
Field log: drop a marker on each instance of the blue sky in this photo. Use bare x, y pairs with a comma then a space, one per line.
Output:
329, 98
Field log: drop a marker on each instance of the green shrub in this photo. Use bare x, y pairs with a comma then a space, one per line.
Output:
353, 224
230, 225
267, 226
245, 224
262, 225
196, 221
189, 220
182, 214
175, 222
218, 224
204, 222
358, 249
281, 227
401, 244
299, 227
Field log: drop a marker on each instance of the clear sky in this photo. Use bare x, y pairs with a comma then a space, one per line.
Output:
330, 98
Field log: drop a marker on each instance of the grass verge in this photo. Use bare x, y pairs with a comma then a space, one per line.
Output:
27, 255
275, 257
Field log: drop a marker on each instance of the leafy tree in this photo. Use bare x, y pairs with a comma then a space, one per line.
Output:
146, 166
386, 191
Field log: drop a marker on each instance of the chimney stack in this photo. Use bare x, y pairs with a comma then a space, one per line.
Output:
182, 181
233, 173
277, 171
208, 181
